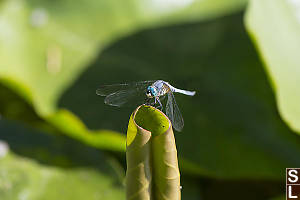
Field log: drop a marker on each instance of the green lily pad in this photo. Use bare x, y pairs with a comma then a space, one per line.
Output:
275, 28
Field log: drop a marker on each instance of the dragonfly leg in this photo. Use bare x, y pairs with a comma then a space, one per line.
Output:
160, 105
147, 101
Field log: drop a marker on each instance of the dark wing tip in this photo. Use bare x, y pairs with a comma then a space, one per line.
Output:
100, 92
179, 127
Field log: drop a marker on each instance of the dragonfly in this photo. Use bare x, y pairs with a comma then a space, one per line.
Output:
148, 93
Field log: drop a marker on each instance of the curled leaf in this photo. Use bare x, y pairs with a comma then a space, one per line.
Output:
152, 165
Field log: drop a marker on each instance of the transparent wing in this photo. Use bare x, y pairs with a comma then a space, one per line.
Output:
173, 112
120, 94
106, 90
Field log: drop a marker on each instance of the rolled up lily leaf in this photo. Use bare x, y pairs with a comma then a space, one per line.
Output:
152, 165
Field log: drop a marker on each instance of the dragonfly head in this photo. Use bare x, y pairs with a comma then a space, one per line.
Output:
151, 92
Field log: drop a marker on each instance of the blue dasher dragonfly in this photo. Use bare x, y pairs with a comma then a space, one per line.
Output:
146, 92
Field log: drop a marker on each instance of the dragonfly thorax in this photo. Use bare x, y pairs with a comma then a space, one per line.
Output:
162, 87
158, 89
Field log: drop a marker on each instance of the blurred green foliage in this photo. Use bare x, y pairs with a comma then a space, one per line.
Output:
54, 42
54, 54
22, 178
53, 166
279, 45
232, 119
